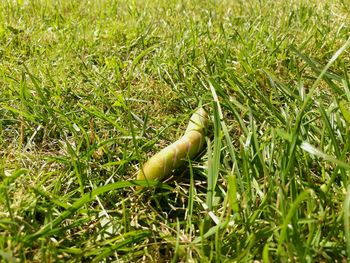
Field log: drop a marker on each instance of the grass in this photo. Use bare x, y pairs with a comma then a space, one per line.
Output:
90, 89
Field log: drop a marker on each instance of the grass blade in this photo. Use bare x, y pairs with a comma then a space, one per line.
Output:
81, 202
346, 210
292, 210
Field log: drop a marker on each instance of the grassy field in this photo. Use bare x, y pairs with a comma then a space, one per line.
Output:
91, 89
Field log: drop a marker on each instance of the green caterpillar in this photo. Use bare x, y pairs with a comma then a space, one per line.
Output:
174, 155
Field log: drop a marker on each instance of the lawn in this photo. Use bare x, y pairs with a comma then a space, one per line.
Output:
91, 89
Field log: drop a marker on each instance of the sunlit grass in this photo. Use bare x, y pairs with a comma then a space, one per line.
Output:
91, 89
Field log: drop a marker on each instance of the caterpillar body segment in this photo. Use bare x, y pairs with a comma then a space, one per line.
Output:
174, 155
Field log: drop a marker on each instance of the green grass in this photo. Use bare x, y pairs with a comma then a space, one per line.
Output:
90, 89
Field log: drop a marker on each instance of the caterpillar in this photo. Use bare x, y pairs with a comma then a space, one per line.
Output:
174, 155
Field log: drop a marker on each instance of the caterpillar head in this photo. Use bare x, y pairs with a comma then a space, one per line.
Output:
198, 122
